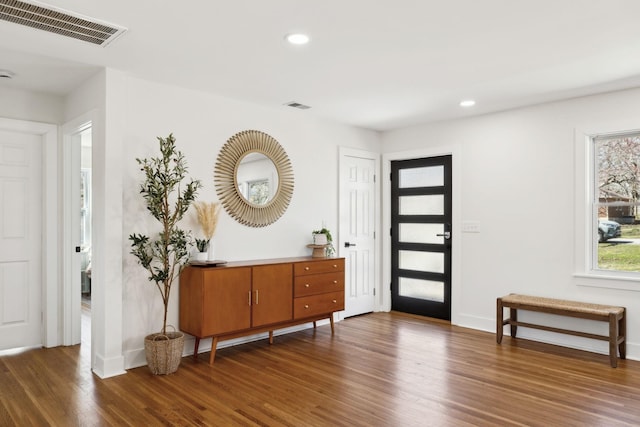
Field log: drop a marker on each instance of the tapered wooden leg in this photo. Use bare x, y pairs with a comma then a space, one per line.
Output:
314, 324
195, 348
270, 337
499, 320
331, 321
214, 345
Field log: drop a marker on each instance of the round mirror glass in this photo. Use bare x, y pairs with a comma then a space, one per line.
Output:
256, 178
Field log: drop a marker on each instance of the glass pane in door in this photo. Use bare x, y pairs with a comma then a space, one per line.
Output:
421, 233
430, 176
421, 261
422, 205
422, 289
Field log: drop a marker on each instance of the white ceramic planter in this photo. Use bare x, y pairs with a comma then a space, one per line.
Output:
319, 239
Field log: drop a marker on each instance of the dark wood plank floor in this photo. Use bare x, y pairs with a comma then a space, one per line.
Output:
382, 369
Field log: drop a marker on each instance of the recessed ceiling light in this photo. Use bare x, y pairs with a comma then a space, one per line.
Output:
467, 103
297, 38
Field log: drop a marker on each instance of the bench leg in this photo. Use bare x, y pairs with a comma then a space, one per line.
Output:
499, 320
622, 330
513, 318
613, 340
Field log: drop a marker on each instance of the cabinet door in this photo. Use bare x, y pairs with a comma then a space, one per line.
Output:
227, 300
272, 294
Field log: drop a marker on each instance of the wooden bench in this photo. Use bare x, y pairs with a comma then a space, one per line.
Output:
615, 316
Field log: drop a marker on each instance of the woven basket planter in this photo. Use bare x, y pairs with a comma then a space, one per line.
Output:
164, 352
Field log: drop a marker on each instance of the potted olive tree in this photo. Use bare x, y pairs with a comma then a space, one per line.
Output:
168, 198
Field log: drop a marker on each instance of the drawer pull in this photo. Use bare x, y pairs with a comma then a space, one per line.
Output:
306, 268
335, 265
249, 297
306, 285
335, 301
306, 306
335, 282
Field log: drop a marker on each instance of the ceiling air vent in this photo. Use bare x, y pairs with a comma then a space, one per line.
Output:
297, 105
43, 17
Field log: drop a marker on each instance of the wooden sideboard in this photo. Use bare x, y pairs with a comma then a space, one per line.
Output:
249, 297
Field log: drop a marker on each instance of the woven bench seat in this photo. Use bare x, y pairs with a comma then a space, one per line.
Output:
615, 316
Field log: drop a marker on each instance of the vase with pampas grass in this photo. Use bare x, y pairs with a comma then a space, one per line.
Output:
208, 218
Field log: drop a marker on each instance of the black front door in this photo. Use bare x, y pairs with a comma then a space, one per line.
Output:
421, 236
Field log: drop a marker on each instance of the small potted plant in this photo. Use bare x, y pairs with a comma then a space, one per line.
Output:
323, 237
202, 245
164, 255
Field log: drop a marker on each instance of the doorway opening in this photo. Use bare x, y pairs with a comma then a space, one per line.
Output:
77, 227
85, 137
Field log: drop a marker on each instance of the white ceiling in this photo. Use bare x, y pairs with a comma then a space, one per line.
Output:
379, 64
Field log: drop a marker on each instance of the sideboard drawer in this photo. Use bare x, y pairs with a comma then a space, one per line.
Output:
315, 267
318, 304
318, 284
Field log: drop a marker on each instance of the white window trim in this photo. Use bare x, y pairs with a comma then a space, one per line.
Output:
584, 222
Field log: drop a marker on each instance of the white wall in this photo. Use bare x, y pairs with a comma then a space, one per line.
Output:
202, 124
516, 174
32, 106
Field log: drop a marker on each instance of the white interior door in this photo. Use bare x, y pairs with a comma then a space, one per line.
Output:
357, 229
21, 240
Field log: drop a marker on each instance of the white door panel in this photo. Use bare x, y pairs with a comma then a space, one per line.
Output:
20, 240
357, 232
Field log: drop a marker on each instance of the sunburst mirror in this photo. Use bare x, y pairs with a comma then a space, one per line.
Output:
253, 178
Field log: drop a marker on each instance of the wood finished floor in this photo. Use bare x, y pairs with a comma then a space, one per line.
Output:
382, 369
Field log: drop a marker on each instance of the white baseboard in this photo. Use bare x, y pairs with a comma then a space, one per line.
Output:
563, 340
136, 358
109, 367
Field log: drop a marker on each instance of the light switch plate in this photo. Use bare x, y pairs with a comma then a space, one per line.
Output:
470, 226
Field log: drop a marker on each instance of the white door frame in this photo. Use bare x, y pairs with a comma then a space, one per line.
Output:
351, 152
456, 203
50, 243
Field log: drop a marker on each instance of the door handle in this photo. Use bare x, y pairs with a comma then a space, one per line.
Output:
446, 235
347, 244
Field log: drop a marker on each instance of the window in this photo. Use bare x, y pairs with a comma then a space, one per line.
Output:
258, 191
615, 195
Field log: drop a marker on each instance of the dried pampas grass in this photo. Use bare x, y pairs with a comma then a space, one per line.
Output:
207, 217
